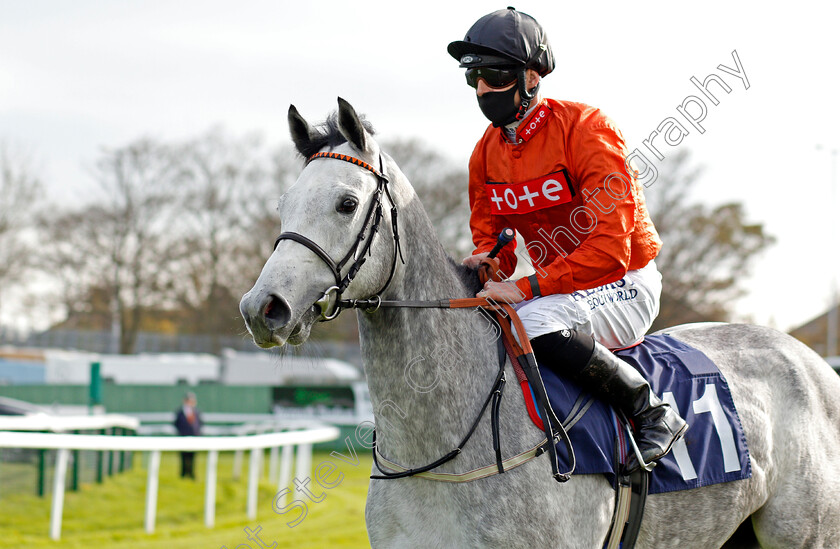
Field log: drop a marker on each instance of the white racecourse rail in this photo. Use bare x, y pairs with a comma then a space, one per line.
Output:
303, 439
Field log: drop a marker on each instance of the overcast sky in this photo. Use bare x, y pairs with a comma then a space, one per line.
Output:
76, 76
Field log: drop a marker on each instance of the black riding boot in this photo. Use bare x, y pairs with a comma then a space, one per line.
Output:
606, 376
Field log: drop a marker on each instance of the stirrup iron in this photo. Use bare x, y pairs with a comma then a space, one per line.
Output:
642, 464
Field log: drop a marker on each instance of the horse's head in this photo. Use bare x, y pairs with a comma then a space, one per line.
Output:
335, 216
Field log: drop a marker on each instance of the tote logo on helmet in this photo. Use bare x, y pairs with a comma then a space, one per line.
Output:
519, 198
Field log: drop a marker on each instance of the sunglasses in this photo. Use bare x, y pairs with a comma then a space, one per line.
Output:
495, 78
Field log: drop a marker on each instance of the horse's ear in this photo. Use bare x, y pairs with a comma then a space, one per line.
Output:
351, 126
301, 132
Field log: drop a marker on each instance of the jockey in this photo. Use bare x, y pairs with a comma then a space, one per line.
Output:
555, 172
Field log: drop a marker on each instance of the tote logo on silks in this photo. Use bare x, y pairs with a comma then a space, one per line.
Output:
536, 194
529, 128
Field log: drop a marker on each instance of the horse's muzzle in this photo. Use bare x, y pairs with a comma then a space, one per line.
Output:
265, 316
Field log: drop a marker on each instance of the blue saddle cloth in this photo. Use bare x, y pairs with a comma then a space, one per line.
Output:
714, 448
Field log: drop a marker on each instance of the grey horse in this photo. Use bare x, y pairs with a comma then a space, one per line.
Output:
429, 371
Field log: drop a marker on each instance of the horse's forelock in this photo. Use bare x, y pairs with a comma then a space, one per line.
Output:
328, 134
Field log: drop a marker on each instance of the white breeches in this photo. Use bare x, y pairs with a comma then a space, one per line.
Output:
618, 314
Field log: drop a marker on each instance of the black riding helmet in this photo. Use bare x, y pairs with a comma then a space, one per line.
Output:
506, 39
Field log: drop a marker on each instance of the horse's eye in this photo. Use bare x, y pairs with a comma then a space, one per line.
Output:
347, 205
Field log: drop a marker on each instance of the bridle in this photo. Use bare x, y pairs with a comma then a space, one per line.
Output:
330, 303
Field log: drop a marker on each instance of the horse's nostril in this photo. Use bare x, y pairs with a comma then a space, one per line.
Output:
276, 312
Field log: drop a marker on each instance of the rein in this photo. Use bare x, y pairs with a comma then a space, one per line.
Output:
331, 306
495, 397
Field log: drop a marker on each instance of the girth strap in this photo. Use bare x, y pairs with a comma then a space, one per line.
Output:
494, 396
475, 474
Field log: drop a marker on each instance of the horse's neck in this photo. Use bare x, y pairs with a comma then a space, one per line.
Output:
429, 370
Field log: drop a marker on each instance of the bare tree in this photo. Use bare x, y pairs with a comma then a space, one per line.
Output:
20, 192
222, 178
707, 250
171, 238
118, 248
442, 188
261, 211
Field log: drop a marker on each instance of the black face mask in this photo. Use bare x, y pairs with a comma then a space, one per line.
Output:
499, 107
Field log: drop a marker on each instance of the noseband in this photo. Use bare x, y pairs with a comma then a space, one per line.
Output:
330, 302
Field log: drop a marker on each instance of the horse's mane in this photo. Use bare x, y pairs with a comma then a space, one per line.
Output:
327, 134
468, 276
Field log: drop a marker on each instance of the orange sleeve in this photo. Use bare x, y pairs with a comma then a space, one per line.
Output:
485, 230
596, 151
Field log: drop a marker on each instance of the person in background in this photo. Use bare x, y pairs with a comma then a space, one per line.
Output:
188, 424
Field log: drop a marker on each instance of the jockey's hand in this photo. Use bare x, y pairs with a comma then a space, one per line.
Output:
473, 261
502, 292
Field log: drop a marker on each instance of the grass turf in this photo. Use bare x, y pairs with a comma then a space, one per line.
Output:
110, 515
